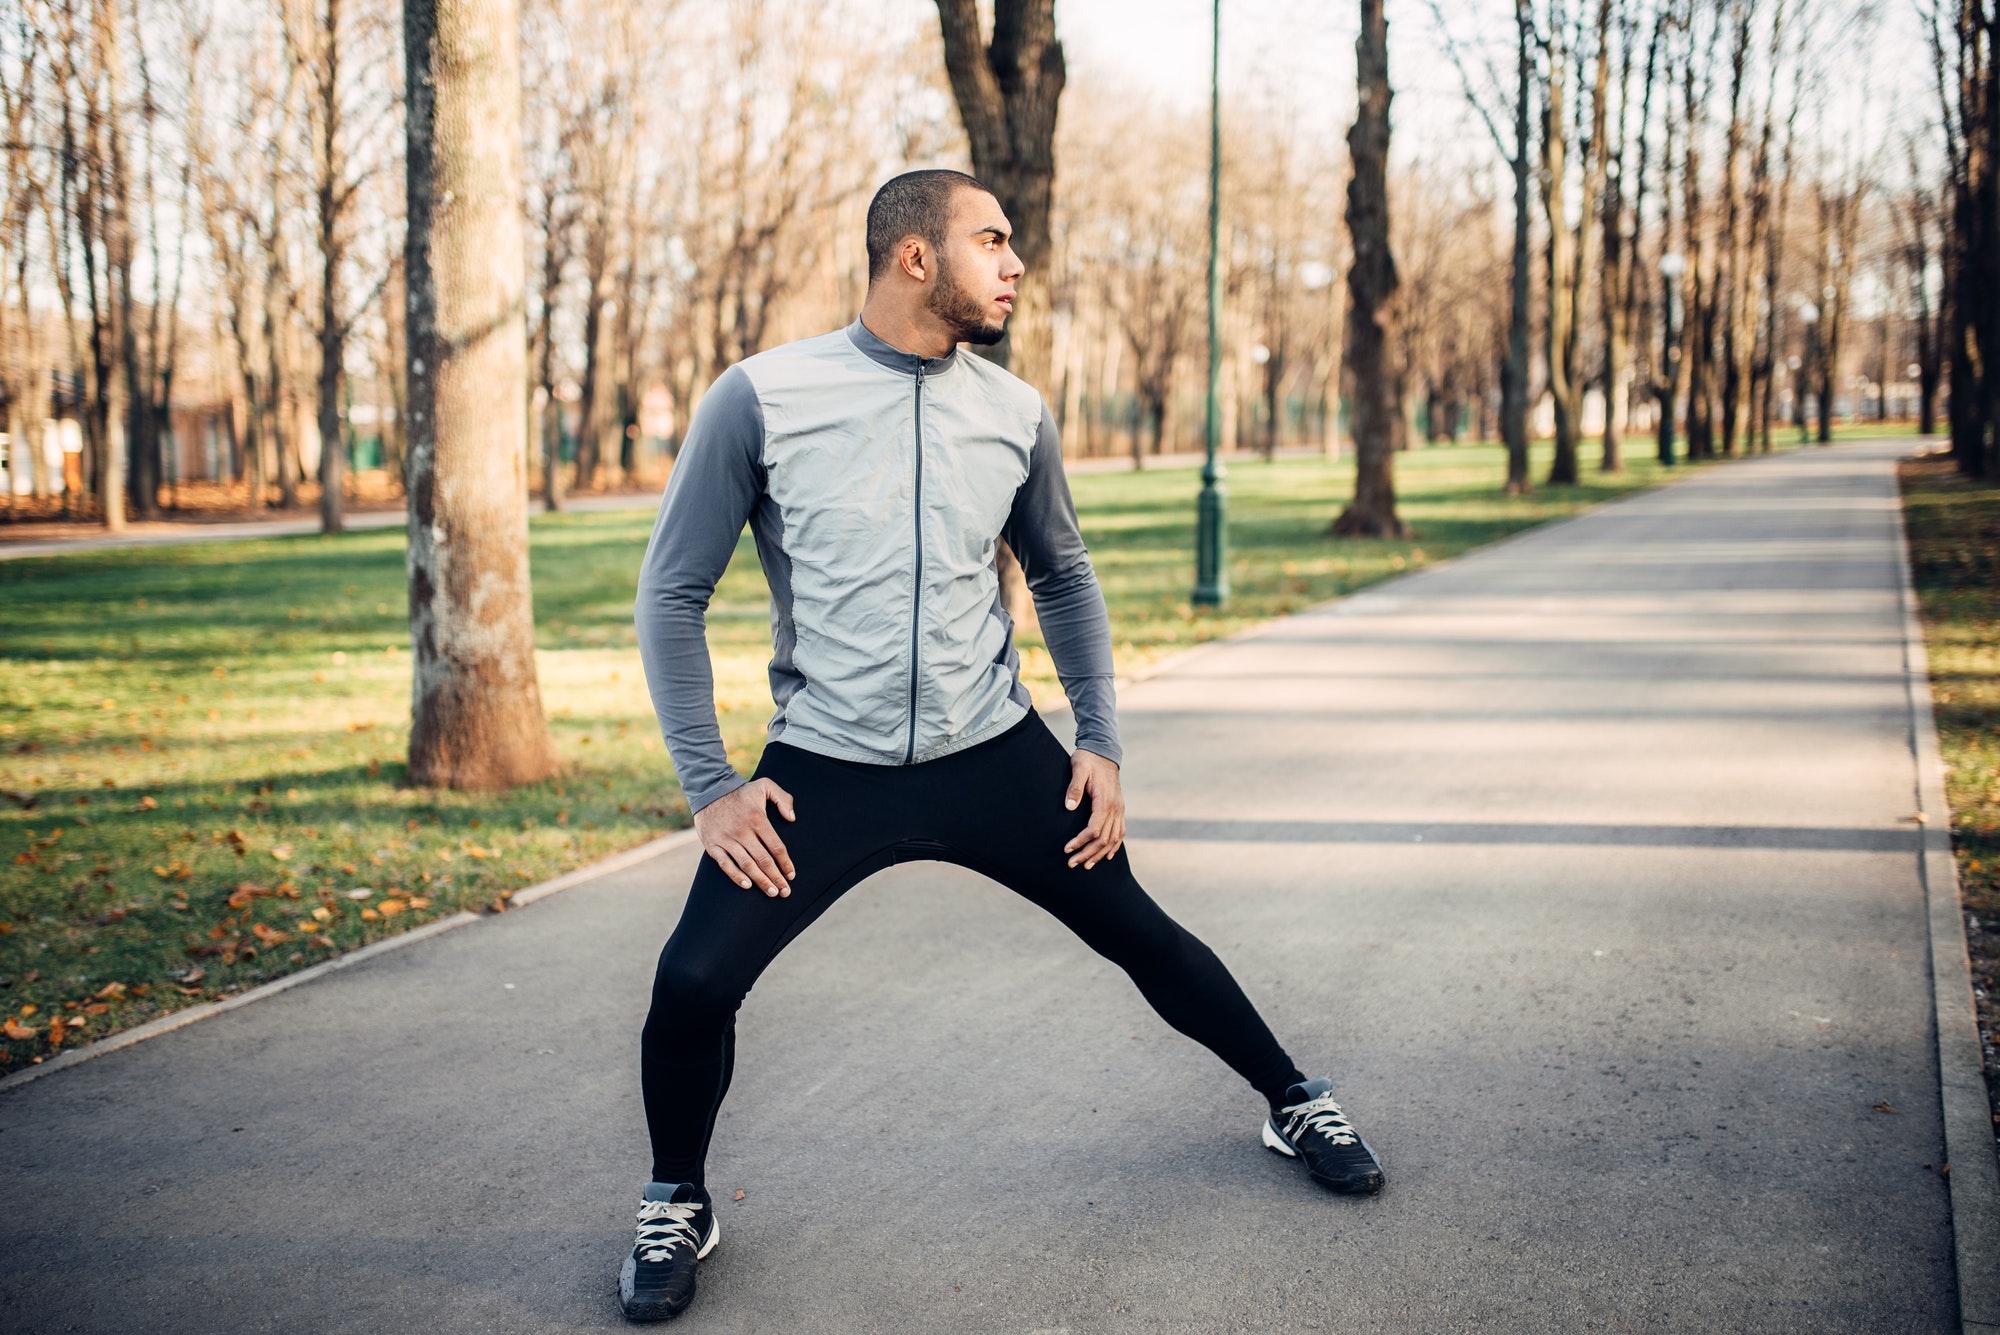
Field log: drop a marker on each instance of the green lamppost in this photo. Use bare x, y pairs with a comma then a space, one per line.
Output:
1211, 547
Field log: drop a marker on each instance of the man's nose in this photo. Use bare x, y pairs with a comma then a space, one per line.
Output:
1012, 268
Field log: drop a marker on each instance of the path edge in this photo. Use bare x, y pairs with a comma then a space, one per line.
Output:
180, 1019
1971, 1157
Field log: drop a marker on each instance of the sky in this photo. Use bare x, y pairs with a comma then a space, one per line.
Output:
1302, 52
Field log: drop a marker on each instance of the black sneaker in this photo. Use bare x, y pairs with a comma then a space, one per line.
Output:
677, 1228
1311, 1126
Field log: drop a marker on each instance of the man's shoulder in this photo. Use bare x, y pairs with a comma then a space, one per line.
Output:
774, 365
1019, 401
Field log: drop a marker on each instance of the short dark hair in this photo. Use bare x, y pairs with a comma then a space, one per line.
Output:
914, 204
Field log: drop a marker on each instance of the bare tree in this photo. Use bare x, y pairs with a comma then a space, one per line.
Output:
1371, 286
1571, 245
1917, 219
1494, 103
1007, 91
477, 718
1967, 66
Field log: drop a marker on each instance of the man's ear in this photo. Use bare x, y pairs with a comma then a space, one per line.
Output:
913, 258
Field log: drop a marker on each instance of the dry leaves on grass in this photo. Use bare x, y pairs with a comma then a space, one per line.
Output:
246, 891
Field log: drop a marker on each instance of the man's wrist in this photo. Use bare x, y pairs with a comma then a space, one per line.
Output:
698, 802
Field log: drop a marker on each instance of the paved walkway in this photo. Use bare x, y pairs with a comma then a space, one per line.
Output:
1578, 863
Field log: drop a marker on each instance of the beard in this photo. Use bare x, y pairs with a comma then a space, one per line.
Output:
964, 313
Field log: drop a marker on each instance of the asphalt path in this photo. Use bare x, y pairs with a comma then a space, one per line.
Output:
1578, 863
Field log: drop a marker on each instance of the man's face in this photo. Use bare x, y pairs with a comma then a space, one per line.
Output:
977, 269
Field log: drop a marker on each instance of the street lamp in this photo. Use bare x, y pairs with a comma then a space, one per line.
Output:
1211, 572
1672, 266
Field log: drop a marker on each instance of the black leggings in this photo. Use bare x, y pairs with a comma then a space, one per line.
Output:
996, 808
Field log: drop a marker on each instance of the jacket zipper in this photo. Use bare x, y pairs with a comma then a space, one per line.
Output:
917, 596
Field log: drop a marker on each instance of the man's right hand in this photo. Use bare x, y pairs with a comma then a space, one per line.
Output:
740, 837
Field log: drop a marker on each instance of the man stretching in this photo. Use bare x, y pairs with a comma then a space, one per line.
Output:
877, 469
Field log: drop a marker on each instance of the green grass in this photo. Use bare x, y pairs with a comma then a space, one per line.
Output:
1954, 527
202, 746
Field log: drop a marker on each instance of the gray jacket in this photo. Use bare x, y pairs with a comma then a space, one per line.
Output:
876, 484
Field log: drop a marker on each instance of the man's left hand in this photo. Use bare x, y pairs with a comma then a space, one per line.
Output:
1092, 776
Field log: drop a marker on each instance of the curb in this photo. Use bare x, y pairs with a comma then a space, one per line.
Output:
195, 1014
1973, 1176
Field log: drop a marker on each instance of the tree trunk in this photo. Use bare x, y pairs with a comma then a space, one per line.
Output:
1514, 371
596, 262
476, 708
330, 196
1007, 92
1560, 270
332, 447
1371, 286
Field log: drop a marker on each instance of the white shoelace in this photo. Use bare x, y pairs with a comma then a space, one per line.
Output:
665, 1225
1322, 1115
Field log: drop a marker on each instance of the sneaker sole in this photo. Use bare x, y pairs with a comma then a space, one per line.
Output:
667, 1311
1367, 1186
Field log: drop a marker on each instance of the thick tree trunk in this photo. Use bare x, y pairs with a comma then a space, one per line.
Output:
476, 708
1371, 286
1007, 93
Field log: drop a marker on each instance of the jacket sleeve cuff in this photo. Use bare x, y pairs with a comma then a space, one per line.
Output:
721, 788
1102, 746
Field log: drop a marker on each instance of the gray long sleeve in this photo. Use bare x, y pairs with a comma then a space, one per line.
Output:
1043, 532
717, 481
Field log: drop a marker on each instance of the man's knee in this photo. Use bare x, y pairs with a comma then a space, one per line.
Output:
692, 994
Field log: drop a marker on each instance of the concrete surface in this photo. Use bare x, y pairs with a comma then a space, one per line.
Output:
1577, 863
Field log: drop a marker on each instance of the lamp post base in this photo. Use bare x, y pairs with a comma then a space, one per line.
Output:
1211, 564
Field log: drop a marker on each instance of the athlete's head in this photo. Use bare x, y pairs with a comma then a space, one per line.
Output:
941, 239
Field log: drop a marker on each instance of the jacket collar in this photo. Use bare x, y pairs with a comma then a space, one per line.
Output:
879, 352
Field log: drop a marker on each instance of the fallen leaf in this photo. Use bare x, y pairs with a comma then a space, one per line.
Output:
419, 902
56, 1031
96, 1008
245, 891
1884, 1107
269, 935
444, 855
147, 804
281, 852
110, 991
369, 915
322, 913
360, 892
389, 908
1916, 818
16, 1030
739, 1193
193, 975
